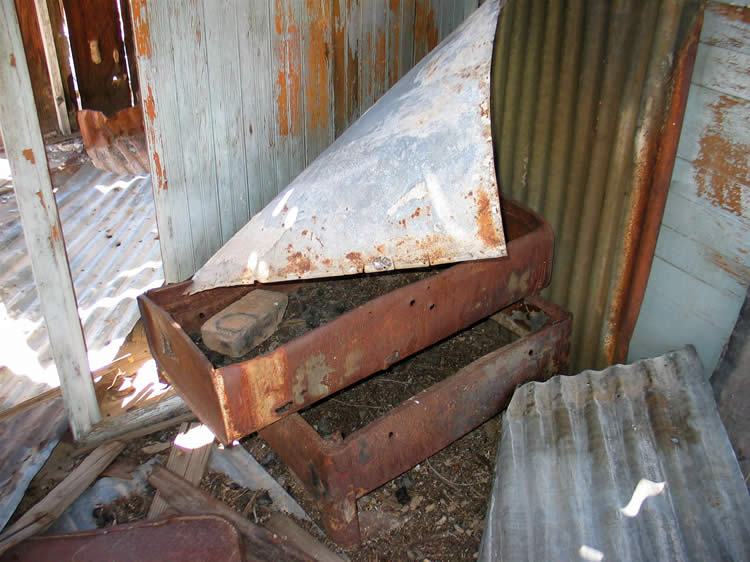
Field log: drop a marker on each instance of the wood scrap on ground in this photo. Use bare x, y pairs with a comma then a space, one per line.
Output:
43, 514
189, 463
263, 544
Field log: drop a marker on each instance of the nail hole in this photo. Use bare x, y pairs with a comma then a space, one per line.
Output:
432, 306
531, 352
201, 315
412, 302
390, 435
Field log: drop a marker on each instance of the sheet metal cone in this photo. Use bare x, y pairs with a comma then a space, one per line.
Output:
410, 184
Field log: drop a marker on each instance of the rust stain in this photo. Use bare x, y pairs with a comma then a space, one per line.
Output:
487, 231
732, 13
288, 101
339, 67
722, 164
298, 264
396, 42
734, 268
41, 199
380, 66
29, 155
141, 28
425, 30
318, 53
161, 177
356, 257
12, 60
55, 233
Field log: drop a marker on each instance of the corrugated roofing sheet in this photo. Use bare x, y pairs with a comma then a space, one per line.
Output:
113, 247
579, 454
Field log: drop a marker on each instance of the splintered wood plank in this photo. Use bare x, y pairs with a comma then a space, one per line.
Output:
317, 69
43, 514
257, 87
184, 497
225, 86
152, 26
53, 69
42, 229
188, 463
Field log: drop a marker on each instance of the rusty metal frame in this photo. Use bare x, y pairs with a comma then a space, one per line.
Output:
244, 397
337, 473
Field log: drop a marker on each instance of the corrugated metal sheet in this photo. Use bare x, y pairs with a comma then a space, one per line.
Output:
701, 268
587, 106
113, 248
574, 451
240, 97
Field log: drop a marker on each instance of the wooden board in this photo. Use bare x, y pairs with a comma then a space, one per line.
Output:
42, 228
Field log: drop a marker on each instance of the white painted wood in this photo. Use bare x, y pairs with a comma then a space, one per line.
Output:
257, 88
720, 29
225, 89
53, 68
157, 71
42, 229
722, 69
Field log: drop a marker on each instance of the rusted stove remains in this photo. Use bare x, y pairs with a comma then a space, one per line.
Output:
264, 393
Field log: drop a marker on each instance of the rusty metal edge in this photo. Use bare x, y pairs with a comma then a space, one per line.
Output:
337, 474
635, 272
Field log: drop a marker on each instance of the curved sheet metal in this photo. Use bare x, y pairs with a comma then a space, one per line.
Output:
410, 184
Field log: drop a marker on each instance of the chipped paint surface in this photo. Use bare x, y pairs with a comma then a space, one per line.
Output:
141, 27
723, 168
29, 155
12, 60
318, 53
423, 137
288, 76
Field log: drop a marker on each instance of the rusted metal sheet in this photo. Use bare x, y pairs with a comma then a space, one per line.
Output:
181, 538
410, 184
338, 472
631, 463
116, 144
588, 98
241, 398
267, 86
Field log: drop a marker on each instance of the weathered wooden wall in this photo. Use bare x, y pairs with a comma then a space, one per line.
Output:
702, 265
241, 95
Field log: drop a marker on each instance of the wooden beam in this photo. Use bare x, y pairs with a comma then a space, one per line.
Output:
43, 514
41, 225
53, 68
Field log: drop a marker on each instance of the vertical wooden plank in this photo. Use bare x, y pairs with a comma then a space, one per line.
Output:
353, 59
34, 51
225, 86
98, 54
425, 29
406, 51
257, 87
194, 110
153, 40
380, 35
42, 229
127, 27
340, 49
366, 59
446, 12
287, 91
393, 41
53, 70
317, 65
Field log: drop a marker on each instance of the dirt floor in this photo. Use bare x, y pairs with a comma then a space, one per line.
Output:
435, 511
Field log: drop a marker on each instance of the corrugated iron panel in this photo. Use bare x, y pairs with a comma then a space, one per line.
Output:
587, 104
240, 98
575, 450
113, 248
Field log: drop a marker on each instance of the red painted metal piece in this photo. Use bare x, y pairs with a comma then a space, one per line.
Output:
244, 397
337, 473
183, 538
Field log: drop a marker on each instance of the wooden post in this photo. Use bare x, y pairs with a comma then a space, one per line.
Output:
41, 225
53, 68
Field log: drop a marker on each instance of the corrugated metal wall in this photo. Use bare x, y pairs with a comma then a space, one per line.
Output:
586, 103
241, 95
702, 266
